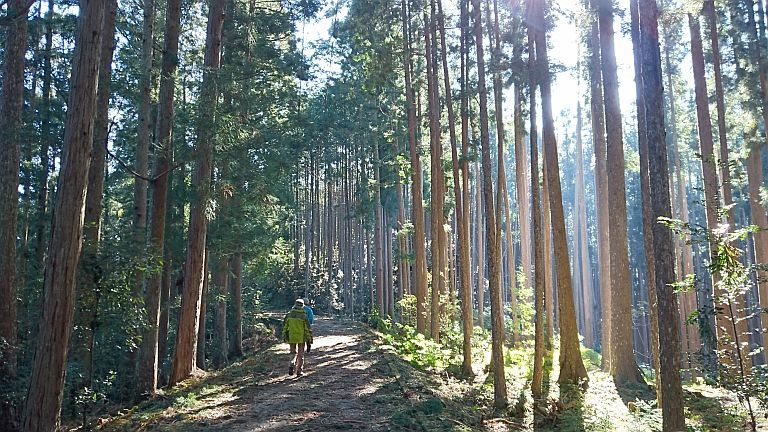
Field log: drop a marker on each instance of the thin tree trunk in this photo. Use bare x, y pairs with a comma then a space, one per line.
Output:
571, 365
45, 141
186, 340
669, 345
236, 344
148, 362
586, 271
479, 224
465, 261
43, 403
143, 134
601, 189
220, 284
420, 266
202, 317
711, 184
11, 107
491, 228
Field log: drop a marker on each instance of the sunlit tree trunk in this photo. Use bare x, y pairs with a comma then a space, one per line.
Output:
465, 260
523, 197
601, 188
43, 403
584, 265
538, 255
571, 365
623, 365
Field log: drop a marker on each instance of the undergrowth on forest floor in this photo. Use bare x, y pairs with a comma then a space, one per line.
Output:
602, 407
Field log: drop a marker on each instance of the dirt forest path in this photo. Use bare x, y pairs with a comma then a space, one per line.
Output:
351, 382
337, 391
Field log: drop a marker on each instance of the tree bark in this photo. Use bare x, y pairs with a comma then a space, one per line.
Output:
186, 341
571, 365
236, 344
601, 189
420, 266
11, 106
89, 272
538, 253
491, 229
142, 145
669, 345
724, 329
623, 365
43, 403
584, 265
645, 192
45, 141
149, 362
464, 251
523, 196
220, 284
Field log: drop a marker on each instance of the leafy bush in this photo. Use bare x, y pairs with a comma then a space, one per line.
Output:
417, 350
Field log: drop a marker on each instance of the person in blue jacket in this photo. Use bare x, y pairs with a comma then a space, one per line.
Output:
310, 318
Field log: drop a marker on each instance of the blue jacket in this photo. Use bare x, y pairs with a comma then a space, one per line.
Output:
310, 314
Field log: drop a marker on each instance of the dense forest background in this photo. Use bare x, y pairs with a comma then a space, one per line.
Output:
171, 169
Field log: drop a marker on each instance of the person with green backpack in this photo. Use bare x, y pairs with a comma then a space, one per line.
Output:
296, 332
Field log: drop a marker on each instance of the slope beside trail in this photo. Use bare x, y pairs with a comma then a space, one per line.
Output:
349, 384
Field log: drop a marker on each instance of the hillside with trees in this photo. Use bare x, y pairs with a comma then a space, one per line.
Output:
508, 215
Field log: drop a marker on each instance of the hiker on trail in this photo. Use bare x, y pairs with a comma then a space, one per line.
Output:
310, 318
296, 332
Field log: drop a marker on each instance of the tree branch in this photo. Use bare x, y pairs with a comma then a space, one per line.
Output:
130, 170
13, 15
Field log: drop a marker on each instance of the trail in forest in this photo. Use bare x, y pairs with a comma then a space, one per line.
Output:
338, 390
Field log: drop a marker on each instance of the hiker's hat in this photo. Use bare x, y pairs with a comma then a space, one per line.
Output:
299, 302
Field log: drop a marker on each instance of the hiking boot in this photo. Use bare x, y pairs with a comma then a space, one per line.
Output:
290, 370
298, 374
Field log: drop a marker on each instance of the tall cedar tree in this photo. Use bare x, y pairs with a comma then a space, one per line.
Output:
417, 200
497, 318
601, 186
623, 367
149, 360
538, 255
42, 407
11, 105
571, 365
725, 332
645, 188
88, 291
658, 170
465, 260
184, 359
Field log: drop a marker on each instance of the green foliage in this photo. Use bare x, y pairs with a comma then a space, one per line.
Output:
733, 282
416, 349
